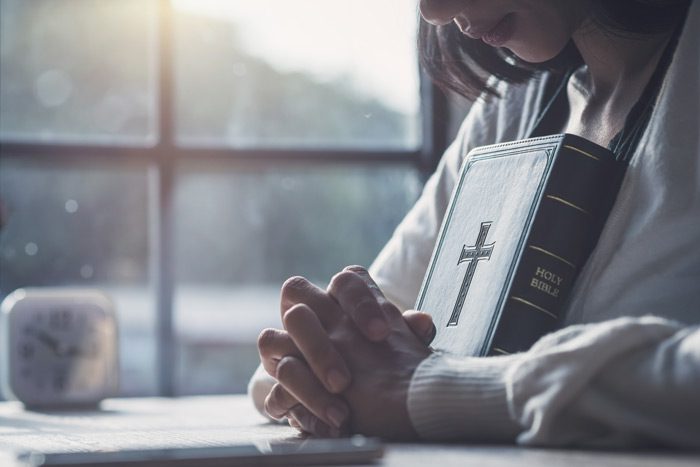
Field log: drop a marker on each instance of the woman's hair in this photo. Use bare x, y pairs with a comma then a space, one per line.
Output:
463, 65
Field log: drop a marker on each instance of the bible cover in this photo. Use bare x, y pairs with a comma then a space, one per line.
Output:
522, 221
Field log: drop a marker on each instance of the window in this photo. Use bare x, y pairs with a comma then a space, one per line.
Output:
233, 261
78, 71
307, 73
187, 156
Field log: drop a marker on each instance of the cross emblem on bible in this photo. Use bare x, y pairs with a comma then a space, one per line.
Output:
472, 254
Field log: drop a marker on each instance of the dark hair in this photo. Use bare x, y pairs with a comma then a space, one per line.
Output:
463, 65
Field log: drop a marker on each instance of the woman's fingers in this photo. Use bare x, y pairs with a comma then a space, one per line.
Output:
421, 324
297, 290
303, 420
361, 299
296, 377
307, 332
279, 402
273, 345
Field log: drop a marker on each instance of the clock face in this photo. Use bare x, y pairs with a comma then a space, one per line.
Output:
61, 352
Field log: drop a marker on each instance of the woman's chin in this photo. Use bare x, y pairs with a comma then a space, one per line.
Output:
530, 54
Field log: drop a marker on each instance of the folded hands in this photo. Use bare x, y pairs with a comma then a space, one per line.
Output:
344, 360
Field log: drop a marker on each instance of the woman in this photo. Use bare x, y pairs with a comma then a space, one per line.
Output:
625, 368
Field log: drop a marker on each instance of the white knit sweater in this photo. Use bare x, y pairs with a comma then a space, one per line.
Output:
626, 369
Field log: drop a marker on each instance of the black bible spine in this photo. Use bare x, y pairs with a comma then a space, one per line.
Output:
576, 202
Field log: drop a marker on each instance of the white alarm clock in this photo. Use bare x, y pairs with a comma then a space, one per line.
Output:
58, 348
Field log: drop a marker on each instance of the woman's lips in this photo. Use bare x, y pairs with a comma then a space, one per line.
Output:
495, 35
502, 32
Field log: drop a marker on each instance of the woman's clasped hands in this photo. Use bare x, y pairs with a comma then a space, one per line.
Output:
344, 361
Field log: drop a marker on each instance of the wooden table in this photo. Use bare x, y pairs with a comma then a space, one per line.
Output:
220, 420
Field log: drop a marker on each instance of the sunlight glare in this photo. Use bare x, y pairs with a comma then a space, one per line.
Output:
370, 42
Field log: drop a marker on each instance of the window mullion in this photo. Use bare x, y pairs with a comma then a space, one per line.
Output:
163, 236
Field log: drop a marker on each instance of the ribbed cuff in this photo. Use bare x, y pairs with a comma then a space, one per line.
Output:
461, 398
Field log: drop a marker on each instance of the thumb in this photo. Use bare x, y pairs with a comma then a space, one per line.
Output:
421, 324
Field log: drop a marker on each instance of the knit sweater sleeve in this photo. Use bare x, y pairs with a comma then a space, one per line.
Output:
620, 383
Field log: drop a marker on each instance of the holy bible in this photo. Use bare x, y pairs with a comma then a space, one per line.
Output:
522, 221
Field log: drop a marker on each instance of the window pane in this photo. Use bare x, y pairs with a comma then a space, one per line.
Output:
84, 227
304, 73
240, 234
78, 70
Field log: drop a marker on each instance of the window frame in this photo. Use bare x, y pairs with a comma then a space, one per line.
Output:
162, 158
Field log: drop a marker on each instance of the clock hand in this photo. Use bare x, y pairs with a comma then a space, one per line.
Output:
48, 340
76, 351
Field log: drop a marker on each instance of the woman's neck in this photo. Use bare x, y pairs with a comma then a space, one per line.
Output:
618, 65
618, 70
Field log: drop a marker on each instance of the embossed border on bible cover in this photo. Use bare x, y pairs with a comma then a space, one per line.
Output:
522, 221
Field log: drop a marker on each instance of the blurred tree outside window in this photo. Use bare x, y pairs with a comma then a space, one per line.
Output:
309, 73
317, 75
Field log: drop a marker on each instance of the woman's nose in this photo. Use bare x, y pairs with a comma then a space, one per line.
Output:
440, 12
